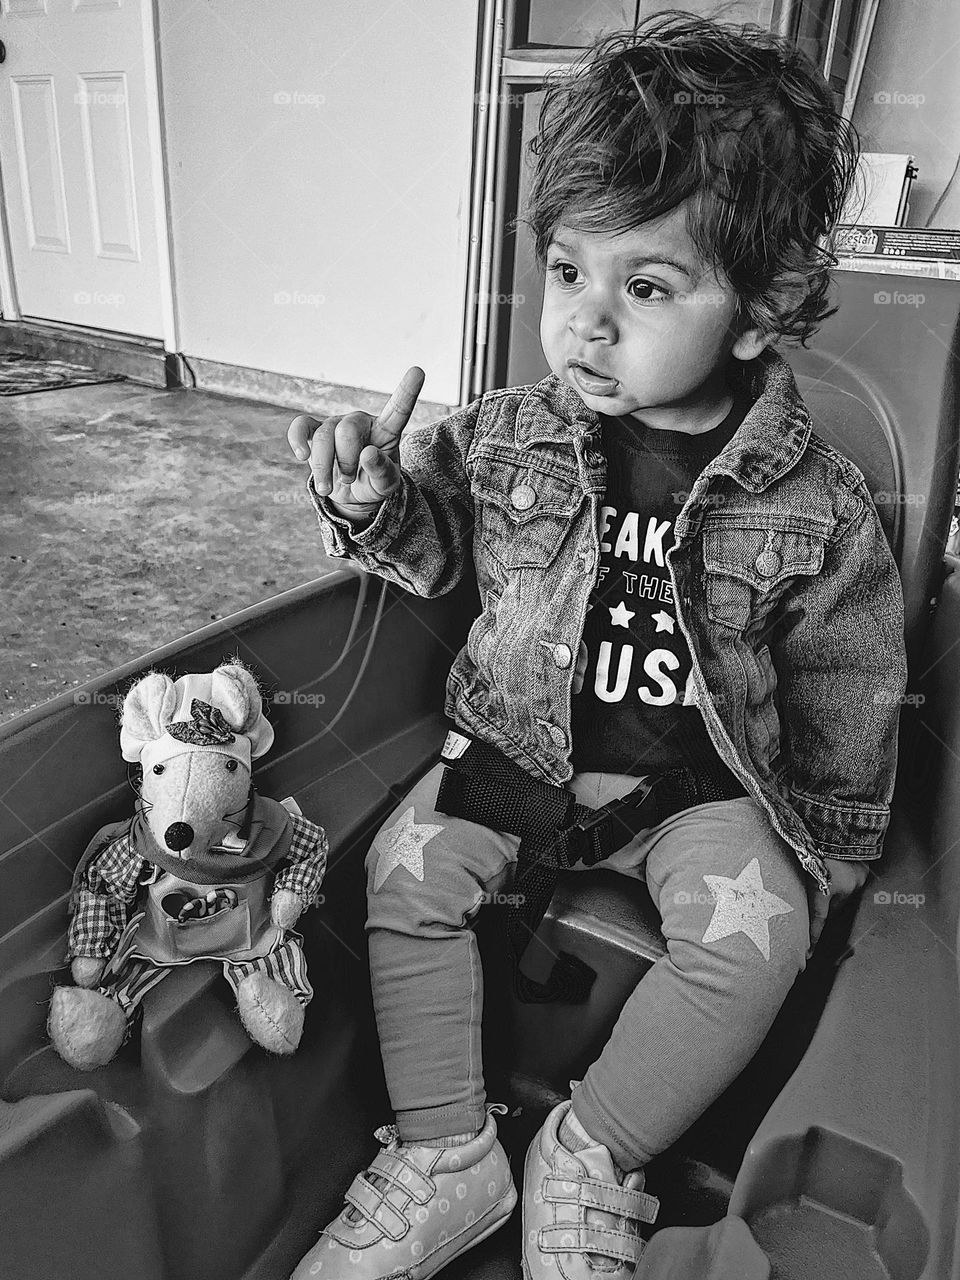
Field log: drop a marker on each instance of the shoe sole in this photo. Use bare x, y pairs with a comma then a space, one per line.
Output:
504, 1207
523, 1215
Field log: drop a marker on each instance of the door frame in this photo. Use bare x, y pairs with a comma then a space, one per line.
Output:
156, 137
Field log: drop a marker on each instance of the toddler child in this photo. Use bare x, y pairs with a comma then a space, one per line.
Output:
680, 580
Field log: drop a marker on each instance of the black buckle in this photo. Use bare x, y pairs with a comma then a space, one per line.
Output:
581, 845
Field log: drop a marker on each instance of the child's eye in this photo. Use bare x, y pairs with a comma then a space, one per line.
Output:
564, 272
647, 291
231, 766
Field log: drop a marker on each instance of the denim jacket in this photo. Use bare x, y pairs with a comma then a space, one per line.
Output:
784, 586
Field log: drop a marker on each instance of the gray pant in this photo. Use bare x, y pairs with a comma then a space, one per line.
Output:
733, 904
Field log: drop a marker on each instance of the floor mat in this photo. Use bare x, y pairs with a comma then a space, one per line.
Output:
20, 374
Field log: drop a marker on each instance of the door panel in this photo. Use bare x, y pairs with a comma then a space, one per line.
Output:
77, 164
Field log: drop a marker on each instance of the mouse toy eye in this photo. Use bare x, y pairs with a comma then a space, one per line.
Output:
158, 768
231, 766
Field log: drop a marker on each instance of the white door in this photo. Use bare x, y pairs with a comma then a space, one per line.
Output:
77, 163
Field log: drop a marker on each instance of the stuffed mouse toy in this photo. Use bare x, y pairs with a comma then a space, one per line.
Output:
206, 869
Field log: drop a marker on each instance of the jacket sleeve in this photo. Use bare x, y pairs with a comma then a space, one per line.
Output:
422, 536
841, 675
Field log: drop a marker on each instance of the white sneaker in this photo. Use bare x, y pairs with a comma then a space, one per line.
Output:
578, 1216
415, 1209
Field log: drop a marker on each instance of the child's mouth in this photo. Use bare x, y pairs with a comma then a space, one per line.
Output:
590, 381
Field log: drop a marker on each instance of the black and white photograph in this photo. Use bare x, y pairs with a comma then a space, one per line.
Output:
480, 616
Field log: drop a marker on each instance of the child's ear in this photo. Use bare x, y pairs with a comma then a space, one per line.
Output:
750, 343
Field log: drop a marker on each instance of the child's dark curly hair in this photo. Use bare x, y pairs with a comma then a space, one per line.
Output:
733, 117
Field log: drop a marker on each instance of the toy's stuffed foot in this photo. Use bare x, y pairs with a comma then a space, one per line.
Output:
86, 1028
271, 1013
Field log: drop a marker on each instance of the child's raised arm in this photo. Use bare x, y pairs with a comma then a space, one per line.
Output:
400, 508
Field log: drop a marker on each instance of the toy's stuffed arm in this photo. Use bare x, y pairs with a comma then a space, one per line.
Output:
102, 896
297, 886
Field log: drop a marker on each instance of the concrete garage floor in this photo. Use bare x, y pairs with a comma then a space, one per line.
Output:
130, 516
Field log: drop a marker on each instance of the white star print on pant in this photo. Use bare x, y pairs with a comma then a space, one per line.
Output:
743, 906
402, 845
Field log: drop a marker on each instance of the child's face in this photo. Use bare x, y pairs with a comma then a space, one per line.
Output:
638, 325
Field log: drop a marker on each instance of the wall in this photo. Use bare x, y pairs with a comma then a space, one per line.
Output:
319, 155
909, 98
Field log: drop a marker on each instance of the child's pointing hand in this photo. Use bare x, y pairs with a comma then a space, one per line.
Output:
355, 458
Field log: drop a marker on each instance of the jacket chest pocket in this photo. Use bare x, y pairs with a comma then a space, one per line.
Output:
523, 514
746, 571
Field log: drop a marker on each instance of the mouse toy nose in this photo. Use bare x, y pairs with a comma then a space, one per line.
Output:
178, 836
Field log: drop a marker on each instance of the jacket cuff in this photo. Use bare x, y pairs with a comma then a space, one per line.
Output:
341, 538
843, 830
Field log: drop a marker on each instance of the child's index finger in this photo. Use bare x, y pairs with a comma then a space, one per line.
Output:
395, 414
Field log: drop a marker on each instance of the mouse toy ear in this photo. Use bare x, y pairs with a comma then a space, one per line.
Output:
235, 692
147, 710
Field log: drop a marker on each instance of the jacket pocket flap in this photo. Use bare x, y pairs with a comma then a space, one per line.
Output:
762, 557
524, 493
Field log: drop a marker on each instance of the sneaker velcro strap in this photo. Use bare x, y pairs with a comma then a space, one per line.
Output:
592, 1194
570, 1238
369, 1201
407, 1176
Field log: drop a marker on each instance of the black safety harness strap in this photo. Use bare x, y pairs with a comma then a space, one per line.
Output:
483, 785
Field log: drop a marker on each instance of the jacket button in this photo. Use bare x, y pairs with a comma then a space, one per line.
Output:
523, 497
562, 655
768, 563
557, 736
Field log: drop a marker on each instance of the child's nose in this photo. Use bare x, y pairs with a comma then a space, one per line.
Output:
593, 320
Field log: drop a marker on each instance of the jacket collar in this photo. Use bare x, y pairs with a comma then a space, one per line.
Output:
769, 441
